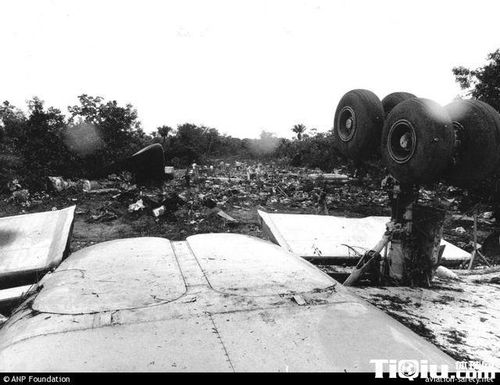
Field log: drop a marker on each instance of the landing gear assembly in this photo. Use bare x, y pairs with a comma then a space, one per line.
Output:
420, 143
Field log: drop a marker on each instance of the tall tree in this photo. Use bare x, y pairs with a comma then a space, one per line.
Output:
117, 126
299, 129
40, 144
482, 83
163, 132
12, 126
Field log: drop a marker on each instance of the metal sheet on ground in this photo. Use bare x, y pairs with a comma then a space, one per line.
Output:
326, 236
32, 244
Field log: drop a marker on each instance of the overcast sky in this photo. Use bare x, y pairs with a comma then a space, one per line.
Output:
239, 66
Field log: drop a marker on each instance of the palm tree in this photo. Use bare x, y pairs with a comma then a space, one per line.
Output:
299, 129
163, 131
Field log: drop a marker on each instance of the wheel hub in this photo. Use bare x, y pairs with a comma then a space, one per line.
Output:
402, 141
346, 124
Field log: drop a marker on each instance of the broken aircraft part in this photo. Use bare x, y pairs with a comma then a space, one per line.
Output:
33, 244
147, 165
12, 297
215, 302
333, 178
325, 238
420, 142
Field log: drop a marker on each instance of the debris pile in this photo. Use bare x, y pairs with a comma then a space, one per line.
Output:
223, 196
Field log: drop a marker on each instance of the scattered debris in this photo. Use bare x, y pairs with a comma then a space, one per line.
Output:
14, 185
184, 204
59, 184
89, 185
139, 205
456, 305
104, 216
487, 215
299, 300
159, 211
495, 280
104, 191
169, 172
331, 177
226, 216
196, 199
21, 196
444, 273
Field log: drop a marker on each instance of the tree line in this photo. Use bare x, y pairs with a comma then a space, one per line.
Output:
43, 141
94, 133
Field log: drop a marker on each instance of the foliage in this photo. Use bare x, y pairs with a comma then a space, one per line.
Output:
96, 133
190, 143
163, 133
312, 151
482, 83
43, 142
299, 129
115, 131
33, 143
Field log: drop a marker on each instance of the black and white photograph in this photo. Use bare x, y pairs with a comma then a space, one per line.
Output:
250, 186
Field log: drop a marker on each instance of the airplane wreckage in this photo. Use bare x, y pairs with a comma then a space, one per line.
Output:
229, 302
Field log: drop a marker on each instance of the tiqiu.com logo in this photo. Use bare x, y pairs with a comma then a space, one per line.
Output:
411, 369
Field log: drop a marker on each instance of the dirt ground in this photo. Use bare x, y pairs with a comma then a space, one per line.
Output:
461, 317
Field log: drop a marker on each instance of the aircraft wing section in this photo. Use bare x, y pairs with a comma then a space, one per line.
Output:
215, 302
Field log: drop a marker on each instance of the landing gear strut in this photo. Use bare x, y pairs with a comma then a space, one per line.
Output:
411, 242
